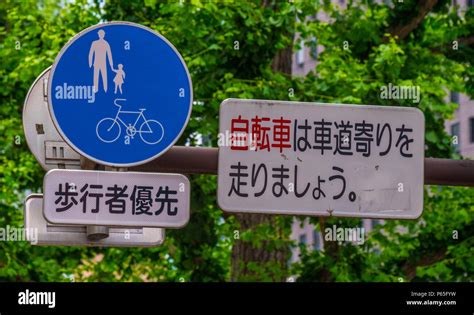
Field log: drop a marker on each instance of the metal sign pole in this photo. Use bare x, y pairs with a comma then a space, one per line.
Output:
198, 160
94, 232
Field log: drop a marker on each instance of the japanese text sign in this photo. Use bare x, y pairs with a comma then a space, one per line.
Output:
320, 159
116, 198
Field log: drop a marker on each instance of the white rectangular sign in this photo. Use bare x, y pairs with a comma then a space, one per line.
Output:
41, 232
320, 159
116, 198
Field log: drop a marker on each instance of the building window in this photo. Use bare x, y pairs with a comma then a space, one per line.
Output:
454, 97
316, 240
302, 239
300, 55
471, 129
455, 133
374, 223
314, 48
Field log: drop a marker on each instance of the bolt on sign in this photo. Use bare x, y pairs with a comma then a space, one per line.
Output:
116, 198
321, 159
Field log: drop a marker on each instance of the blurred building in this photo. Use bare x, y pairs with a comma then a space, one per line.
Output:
462, 127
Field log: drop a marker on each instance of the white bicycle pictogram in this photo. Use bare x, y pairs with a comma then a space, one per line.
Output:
108, 129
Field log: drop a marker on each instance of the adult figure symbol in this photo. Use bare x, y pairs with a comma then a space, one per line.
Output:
100, 52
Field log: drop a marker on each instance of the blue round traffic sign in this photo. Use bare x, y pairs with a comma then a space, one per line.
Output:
120, 94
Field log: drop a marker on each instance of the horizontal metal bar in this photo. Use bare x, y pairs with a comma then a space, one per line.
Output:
449, 172
197, 160
184, 160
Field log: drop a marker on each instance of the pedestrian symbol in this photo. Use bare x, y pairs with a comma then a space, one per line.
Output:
121, 94
100, 49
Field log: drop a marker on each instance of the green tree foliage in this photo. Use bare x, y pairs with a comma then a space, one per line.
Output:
229, 48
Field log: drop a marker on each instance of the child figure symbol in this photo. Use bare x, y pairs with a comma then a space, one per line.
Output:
119, 78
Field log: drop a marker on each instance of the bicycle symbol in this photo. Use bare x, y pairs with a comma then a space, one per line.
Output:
109, 129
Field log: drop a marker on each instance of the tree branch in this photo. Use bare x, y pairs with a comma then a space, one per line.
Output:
467, 40
403, 30
331, 249
410, 267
